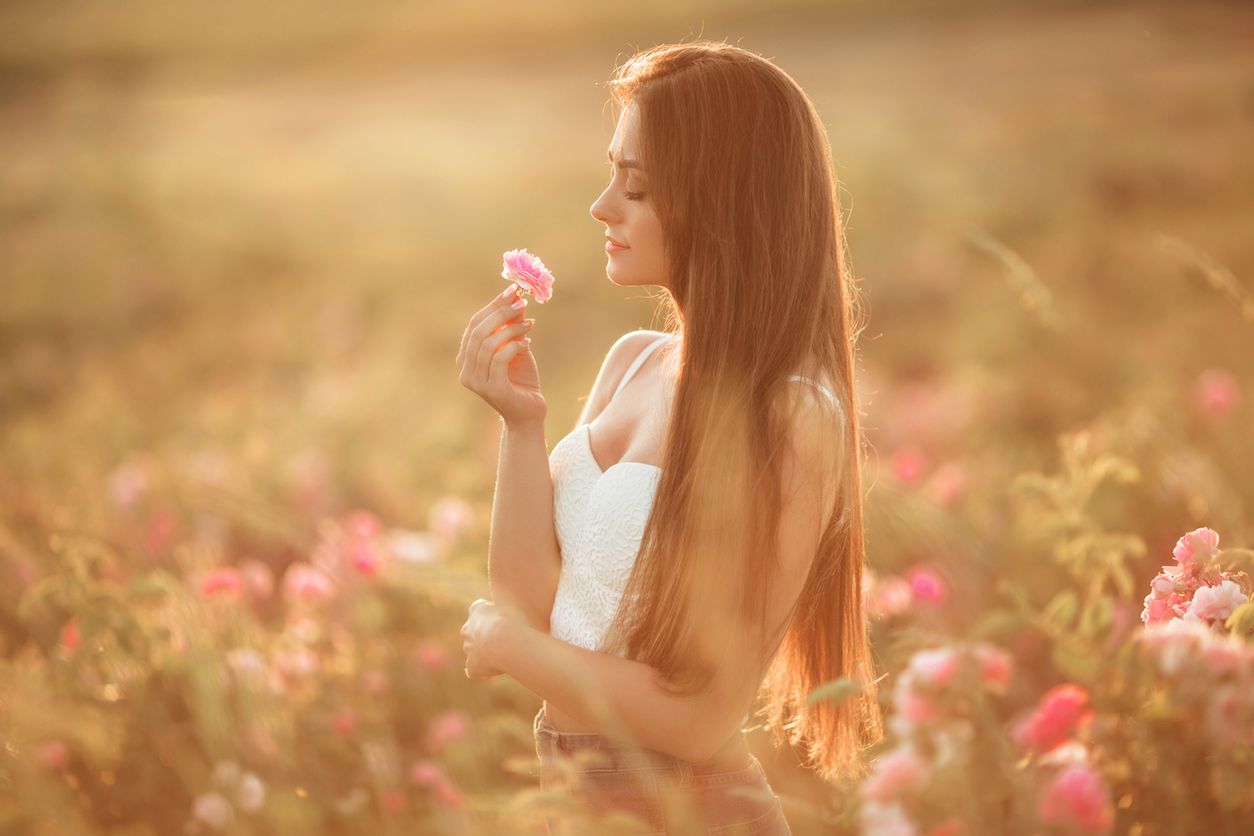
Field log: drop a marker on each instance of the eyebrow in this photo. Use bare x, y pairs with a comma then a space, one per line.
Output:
623, 163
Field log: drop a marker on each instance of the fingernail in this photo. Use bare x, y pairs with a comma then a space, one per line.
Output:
509, 291
519, 305
526, 340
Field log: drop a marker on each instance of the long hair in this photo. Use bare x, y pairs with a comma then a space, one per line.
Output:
742, 180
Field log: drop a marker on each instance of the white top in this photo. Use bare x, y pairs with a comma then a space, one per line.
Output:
600, 518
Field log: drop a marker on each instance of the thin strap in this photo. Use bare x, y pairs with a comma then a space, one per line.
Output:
830, 394
640, 358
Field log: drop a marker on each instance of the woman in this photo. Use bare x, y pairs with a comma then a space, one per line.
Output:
696, 541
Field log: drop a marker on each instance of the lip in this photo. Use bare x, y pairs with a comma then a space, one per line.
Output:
612, 246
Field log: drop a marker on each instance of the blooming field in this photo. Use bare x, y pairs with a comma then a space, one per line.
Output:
244, 503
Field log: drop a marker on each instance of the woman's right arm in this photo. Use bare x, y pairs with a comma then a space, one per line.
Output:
524, 557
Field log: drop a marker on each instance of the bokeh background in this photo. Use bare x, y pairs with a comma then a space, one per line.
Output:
244, 501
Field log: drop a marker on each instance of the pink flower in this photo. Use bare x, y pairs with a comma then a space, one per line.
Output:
947, 483
427, 773
1215, 603
1216, 392
529, 273
449, 517
362, 525
431, 656
343, 722
258, 578
1193, 549
935, 667
69, 634
447, 728
889, 596
52, 755
900, 772
926, 585
225, 582
303, 582
1056, 718
908, 464
375, 682
1077, 799
1163, 608
996, 667
365, 557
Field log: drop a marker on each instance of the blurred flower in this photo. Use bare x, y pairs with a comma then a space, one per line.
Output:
213, 809
447, 728
258, 578
1056, 718
431, 656
296, 662
1195, 548
899, 773
343, 722
69, 638
375, 682
1230, 715
128, 483
1216, 392
392, 801
996, 667
947, 483
926, 585
528, 273
414, 546
352, 802
427, 773
908, 464
52, 754
225, 582
304, 583
160, 532
877, 819
251, 792
1215, 603
362, 525
888, 596
1078, 801
449, 517
934, 667
226, 773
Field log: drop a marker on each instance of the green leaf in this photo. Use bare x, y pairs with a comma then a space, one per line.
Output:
1061, 609
1241, 622
838, 691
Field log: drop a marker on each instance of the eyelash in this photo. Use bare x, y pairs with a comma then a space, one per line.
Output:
628, 195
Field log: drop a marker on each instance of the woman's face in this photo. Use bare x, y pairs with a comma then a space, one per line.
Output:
626, 209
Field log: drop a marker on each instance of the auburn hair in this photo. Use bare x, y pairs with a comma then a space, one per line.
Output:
743, 183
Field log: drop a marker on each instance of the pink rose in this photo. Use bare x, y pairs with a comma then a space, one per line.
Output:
343, 722
1077, 799
1163, 608
1056, 718
1193, 549
936, 667
226, 582
1215, 603
908, 465
303, 582
926, 585
52, 755
448, 517
431, 655
447, 728
996, 667
69, 634
898, 773
1216, 392
888, 597
529, 273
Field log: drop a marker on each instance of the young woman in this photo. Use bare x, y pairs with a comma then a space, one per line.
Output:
695, 542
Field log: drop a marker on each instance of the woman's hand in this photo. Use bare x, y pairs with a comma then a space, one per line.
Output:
498, 366
480, 635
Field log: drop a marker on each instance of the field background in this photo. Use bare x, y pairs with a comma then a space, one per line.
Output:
239, 246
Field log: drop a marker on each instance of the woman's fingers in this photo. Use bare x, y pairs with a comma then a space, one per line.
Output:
488, 349
485, 322
500, 360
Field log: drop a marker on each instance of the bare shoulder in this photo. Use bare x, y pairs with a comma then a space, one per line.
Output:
816, 439
613, 366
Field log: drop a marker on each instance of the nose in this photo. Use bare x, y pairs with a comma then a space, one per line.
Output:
601, 208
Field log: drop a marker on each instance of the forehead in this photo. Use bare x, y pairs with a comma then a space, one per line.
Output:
624, 142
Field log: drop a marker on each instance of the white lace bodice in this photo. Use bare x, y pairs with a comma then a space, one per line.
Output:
600, 518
